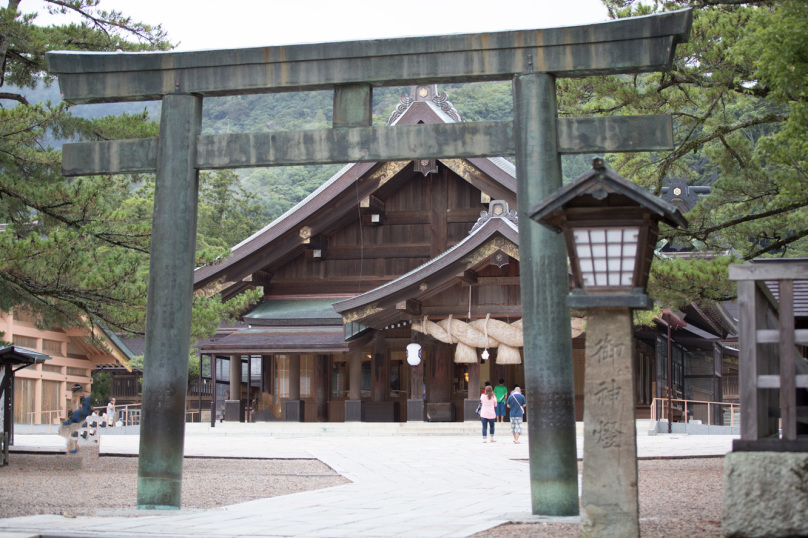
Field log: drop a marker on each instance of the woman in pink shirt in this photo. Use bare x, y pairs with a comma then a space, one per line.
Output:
488, 411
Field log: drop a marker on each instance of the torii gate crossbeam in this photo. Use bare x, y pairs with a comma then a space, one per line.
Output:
533, 59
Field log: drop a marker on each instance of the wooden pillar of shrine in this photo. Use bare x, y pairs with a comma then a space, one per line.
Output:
416, 410
293, 407
321, 387
232, 405
439, 389
380, 408
473, 396
353, 405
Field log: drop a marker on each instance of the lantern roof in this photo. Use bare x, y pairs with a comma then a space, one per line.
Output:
600, 187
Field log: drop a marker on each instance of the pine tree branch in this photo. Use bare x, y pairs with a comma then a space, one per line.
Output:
777, 244
715, 3
114, 19
692, 144
14, 97
704, 234
76, 224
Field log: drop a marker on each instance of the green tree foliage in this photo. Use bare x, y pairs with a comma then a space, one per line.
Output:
227, 214
736, 92
68, 252
102, 382
76, 250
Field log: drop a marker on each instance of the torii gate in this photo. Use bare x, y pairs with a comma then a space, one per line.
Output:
532, 59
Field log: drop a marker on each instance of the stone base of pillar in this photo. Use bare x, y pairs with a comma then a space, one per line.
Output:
764, 494
380, 412
293, 410
233, 411
470, 409
353, 410
416, 410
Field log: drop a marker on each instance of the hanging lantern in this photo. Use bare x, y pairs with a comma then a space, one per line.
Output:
413, 354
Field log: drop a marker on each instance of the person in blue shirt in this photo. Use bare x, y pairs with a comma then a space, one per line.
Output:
517, 404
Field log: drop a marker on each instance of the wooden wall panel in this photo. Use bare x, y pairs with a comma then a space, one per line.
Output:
424, 215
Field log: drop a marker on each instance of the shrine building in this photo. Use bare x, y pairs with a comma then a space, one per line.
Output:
381, 256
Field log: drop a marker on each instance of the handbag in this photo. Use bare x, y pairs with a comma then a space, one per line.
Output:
479, 406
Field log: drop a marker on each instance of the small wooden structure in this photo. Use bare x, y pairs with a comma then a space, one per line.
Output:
9, 357
765, 474
773, 372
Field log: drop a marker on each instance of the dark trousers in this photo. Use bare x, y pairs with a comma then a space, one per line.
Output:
490, 422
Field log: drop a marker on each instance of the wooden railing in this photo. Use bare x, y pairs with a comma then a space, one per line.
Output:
53, 418
684, 408
771, 368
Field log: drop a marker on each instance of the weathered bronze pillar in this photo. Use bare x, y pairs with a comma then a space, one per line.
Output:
168, 314
547, 335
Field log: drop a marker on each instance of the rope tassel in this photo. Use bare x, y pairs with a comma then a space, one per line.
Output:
483, 333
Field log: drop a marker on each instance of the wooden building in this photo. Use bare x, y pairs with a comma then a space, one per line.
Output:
45, 392
378, 257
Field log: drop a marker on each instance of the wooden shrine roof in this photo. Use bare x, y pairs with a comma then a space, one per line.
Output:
19, 355
299, 311
378, 307
334, 201
308, 339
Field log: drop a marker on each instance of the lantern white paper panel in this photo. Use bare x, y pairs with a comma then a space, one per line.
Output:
606, 255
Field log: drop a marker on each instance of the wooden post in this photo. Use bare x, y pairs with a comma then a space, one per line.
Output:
547, 334
788, 389
474, 381
355, 376
353, 405
321, 387
380, 370
168, 315
233, 405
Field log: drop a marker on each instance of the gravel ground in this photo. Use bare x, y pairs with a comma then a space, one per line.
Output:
678, 497
85, 484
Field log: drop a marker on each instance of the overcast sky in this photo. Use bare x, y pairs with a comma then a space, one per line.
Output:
217, 24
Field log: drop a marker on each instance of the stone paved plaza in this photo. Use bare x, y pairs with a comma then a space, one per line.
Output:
404, 482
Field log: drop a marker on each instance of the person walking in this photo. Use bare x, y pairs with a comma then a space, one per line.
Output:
501, 392
488, 413
517, 404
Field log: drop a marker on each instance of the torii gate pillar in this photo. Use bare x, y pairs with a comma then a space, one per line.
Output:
168, 314
543, 270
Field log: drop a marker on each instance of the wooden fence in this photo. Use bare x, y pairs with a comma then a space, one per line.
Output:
771, 368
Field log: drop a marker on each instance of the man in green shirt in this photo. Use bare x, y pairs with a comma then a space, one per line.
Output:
501, 392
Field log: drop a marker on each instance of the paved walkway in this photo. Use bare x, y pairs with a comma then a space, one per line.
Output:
402, 485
